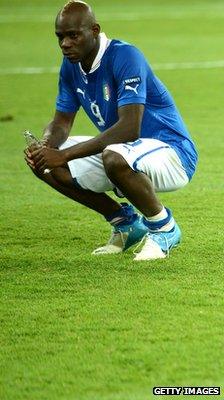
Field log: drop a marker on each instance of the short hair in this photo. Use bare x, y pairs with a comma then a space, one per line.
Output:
69, 4
82, 6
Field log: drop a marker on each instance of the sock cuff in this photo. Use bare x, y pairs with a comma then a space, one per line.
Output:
156, 225
125, 215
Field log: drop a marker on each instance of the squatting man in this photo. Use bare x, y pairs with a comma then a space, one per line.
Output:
143, 146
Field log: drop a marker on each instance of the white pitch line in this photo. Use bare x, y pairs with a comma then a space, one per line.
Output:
123, 16
29, 70
190, 65
156, 67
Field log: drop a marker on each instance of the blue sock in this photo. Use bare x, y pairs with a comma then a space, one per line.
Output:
162, 222
125, 216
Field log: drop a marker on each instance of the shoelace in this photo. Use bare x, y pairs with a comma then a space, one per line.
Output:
139, 244
151, 237
166, 244
114, 233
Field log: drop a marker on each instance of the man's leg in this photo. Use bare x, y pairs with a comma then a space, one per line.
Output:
138, 188
61, 180
128, 227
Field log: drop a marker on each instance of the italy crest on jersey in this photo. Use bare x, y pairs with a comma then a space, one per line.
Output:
106, 92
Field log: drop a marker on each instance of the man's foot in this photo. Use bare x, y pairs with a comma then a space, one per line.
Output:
158, 245
123, 237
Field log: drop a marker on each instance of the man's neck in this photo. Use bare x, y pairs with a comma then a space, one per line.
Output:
87, 64
96, 57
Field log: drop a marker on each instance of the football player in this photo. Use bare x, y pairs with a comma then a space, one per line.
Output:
143, 146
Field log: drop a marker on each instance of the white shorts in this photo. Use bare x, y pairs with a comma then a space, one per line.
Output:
150, 156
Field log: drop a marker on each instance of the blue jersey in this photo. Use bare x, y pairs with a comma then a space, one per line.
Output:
125, 77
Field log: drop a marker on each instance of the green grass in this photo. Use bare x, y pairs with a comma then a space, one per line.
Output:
74, 327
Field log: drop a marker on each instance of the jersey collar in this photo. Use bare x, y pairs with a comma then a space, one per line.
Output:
104, 43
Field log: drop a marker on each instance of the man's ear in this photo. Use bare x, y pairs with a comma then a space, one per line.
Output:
96, 30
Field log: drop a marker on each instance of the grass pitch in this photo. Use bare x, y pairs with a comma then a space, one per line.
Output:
76, 327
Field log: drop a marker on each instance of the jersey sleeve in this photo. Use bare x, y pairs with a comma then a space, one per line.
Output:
67, 100
130, 73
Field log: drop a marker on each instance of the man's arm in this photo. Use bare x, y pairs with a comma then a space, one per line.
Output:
57, 131
126, 129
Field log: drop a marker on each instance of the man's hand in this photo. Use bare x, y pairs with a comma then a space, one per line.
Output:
28, 153
43, 158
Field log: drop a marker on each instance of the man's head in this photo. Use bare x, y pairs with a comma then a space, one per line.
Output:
77, 32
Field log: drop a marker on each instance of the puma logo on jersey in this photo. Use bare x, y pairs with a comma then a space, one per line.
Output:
81, 91
128, 87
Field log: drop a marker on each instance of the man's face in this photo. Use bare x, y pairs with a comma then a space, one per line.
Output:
76, 38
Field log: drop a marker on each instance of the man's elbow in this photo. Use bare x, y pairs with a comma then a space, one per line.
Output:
130, 118
133, 133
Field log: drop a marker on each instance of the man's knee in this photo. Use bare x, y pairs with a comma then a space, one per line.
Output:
60, 175
38, 174
63, 176
113, 163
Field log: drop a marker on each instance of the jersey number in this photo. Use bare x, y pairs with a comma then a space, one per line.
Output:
96, 112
